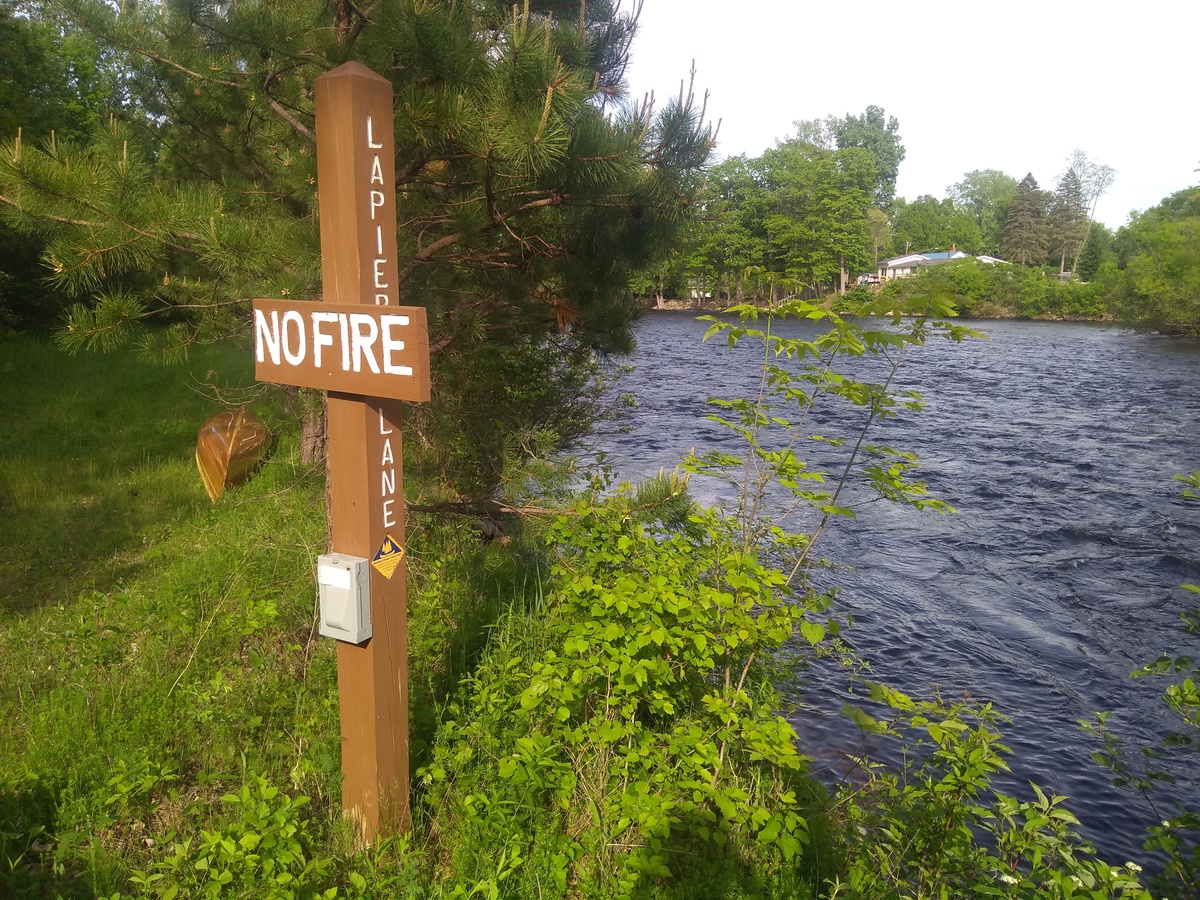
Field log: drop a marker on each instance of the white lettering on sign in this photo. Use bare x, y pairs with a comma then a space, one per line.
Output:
376, 199
320, 338
345, 329
294, 348
266, 337
392, 345
364, 341
372, 340
387, 480
371, 137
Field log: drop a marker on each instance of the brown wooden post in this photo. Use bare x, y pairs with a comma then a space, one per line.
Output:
370, 354
357, 193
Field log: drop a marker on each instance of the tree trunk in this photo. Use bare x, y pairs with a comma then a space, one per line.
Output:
314, 442
313, 437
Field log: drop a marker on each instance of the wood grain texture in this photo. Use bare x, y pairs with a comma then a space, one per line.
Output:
356, 181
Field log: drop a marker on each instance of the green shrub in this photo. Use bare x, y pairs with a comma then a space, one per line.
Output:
1002, 290
628, 725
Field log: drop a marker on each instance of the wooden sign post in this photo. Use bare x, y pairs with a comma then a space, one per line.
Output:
369, 353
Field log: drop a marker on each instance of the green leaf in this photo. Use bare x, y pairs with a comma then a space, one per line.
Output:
813, 632
770, 832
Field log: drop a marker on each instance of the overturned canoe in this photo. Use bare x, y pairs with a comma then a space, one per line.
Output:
229, 447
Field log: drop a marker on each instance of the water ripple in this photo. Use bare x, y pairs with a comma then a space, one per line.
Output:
1058, 576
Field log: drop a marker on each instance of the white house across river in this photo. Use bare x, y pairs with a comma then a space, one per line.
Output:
907, 265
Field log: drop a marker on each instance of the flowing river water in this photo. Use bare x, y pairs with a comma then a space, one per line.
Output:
1056, 577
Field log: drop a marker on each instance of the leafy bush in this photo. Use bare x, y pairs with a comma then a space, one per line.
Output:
976, 289
263, 852
622, 736
629, 724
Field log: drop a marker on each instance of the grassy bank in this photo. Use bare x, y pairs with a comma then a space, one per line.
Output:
595, 708
168, 711
158, 653
977, 291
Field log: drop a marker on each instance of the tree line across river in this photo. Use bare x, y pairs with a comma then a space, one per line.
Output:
819, 209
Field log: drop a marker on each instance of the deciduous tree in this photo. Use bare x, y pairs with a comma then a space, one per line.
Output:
1095, 180
928, 224
818, 132
985, 194
1159, 284
879, 231
879, 135
813, 212
727, 244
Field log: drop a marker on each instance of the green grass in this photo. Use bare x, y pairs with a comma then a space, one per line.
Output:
95, 463
158, 652
165, 699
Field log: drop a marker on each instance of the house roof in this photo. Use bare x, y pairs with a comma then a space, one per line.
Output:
918, 259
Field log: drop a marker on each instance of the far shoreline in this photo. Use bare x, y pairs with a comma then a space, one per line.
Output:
701, 307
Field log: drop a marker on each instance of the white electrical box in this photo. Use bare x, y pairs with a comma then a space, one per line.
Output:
343, 588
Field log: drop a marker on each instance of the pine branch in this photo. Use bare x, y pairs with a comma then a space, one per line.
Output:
290, 119
157, 57
62, 220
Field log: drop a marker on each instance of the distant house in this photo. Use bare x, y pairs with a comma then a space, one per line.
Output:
906, 265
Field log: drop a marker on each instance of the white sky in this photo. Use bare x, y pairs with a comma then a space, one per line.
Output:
1014, 86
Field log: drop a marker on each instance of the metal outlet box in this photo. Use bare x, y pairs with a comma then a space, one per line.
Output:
343, 586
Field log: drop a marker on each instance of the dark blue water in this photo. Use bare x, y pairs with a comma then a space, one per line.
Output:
1058, 575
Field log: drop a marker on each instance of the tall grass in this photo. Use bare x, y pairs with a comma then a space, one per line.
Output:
95, 463
159, 653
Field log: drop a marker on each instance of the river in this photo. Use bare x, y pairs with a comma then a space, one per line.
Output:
1056, 577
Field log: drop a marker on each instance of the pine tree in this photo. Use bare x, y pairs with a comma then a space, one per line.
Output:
1098, 241
1068, 218
1026, 233
55, 84
530, 192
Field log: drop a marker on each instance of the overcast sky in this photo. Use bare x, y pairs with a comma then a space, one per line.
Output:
1014, 86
